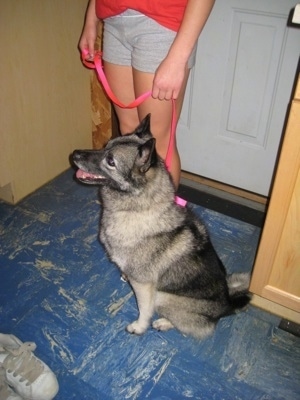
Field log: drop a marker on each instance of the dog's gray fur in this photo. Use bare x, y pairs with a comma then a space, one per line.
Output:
162, 248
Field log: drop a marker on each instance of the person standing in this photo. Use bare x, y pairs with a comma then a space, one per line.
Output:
148, 45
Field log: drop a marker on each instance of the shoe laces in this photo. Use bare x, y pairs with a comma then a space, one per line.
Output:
21, 362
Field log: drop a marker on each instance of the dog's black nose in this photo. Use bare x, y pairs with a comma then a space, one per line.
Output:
76, 155
75, 158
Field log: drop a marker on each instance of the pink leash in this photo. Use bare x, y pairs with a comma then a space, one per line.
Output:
97, 64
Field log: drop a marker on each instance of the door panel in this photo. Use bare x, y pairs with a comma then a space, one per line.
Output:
238, 93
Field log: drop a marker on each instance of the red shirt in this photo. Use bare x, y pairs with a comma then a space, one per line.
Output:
168, 13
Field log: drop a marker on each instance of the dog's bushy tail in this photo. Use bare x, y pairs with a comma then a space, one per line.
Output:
238, 286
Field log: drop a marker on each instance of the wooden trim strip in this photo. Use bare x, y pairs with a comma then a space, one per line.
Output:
225, 188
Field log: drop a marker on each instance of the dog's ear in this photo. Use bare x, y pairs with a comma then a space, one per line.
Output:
144, 128
147, 155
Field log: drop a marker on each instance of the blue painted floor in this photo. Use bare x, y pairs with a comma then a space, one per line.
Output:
58, 289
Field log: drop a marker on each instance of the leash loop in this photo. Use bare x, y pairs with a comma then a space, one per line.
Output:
97, 64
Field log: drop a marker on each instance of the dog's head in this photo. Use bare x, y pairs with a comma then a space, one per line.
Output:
123, 163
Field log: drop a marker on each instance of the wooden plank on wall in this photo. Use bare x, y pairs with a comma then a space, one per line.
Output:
100, 108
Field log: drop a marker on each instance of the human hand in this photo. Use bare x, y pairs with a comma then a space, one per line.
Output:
87, 41
168, 80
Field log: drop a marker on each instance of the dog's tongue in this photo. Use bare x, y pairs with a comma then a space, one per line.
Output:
83, 175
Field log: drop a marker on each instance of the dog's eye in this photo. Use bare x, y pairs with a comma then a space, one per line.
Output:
110, 160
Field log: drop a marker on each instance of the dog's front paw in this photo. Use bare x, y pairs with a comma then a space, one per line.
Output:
136, 328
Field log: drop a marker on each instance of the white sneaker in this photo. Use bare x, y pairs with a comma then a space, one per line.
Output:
6, 392
30, 377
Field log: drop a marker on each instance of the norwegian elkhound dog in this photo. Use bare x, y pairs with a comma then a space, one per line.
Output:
163, 249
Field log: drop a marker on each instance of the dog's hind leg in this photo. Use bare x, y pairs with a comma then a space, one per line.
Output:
184, 314
192, 324
145, 296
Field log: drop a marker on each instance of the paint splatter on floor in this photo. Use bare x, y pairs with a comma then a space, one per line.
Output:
57, 288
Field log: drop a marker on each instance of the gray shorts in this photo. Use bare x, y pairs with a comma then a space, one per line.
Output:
132, 39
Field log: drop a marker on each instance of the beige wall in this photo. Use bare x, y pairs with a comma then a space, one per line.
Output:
44, 92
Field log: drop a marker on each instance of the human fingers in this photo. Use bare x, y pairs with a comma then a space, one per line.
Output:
164, 94
87, 44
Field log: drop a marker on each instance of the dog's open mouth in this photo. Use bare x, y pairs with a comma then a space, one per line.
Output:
87, 177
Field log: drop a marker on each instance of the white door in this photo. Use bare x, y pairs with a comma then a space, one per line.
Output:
238, 93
